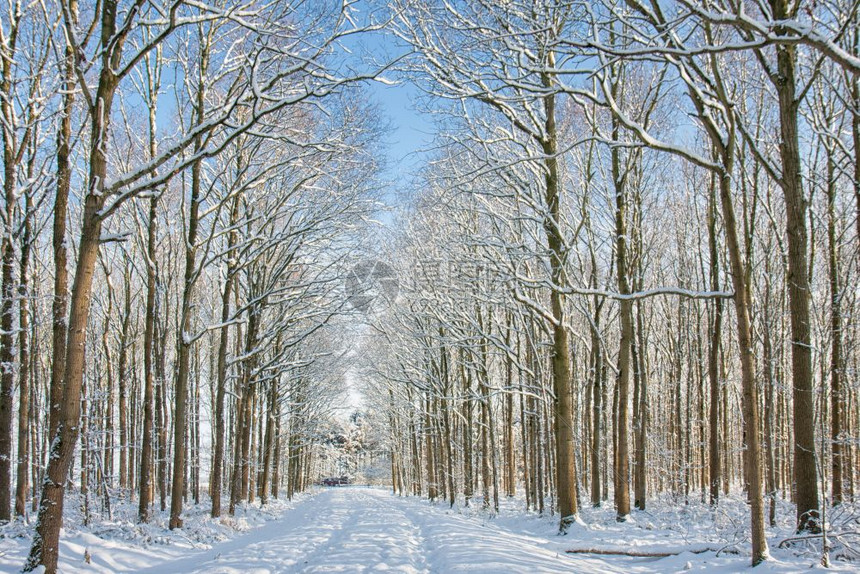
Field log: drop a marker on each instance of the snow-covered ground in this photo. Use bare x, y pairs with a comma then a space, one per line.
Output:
370, 530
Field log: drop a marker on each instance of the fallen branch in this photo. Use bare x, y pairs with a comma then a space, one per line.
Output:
637, 553
789, 541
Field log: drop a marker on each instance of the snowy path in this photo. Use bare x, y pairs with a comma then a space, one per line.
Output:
358, 530
364, 530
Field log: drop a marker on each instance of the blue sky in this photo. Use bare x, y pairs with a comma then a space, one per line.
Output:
412, 131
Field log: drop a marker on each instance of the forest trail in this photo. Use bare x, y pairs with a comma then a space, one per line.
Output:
369, 530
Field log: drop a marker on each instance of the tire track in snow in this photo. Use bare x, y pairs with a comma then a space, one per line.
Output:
377, 538
354, 530
278, 547
455, 543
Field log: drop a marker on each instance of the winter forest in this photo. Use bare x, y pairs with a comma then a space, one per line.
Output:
601, 315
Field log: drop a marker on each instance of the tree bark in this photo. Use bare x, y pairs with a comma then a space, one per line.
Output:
468, 472
124, 376
836, 367
750, 391
429, 451
641, 482
147, 432
22, 485
59, 305
184, 342
563, 403
805, 463
218, 454
7, 276
510, 461
161, 420
714, 338
45, 546
622, 421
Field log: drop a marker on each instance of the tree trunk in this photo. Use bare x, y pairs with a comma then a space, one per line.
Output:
195, 437
184, 357
563, 403
486, 455
146, 474
269, 446
218, 454
524, 434
510, 462
805, 463
7, 288
468, 472
641, 426
45, 547
432, 487
249, 394
184, 342
46, 542
276, 455
597, 372
622, 457
836, 367
147, 432
714, 338
59, 304
124, 376
750, 391
447, 404
162, 451
107, 375
22, 475
770, 399
236, 474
